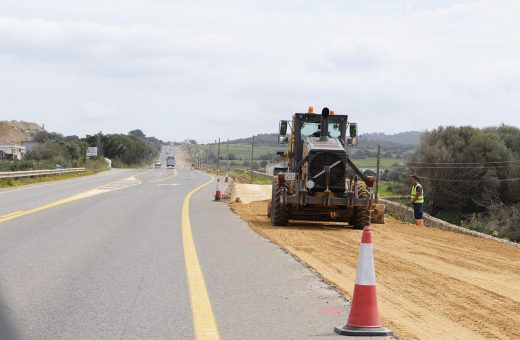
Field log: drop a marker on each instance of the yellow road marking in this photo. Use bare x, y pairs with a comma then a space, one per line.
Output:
11, 214
204, 323
89, 193
167, 178
64, 181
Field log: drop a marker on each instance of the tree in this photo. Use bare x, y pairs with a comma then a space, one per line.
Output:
71, 150
74, 150
457, 164
43, 136
127, 149
137, 133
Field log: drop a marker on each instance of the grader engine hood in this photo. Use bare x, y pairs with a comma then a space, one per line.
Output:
326, 161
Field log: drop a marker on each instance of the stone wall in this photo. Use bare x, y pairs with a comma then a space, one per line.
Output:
405, 213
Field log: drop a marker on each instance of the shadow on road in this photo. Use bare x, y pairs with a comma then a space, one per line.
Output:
7, 329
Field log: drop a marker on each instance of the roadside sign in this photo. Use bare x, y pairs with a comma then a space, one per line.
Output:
92, 151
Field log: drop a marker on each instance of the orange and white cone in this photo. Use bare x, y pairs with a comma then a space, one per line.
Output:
227, 179
218, 193
363, 319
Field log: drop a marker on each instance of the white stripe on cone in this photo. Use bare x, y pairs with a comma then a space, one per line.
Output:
365, 274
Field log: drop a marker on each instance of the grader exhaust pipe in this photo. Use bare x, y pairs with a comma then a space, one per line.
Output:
324, 133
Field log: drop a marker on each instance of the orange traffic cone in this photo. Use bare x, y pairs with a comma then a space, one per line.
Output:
227, 179
363, 319
419, 223
218, 194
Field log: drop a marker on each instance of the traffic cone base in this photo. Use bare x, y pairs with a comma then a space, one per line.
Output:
363, 331
419, 223
364, 313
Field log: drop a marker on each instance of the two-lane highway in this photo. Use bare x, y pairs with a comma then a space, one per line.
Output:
152, 256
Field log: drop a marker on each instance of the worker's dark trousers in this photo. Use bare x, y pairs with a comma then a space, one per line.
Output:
418, 209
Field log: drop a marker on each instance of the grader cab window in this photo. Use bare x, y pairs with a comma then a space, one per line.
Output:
313, 129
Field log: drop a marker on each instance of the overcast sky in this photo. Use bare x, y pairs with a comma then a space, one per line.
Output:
202, 69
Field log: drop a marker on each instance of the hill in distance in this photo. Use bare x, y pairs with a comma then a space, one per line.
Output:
16, 131
260, 139
406, 138
412, 138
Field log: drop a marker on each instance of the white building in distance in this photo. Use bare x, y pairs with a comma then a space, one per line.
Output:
11, 151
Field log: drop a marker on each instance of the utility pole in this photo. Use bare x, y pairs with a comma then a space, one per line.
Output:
252, 154
218, 157
227, 151
210, 161
377, 172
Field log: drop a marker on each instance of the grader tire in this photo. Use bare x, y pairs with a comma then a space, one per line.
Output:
361, 214
279, 213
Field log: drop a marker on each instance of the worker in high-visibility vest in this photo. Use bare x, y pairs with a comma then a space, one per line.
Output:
417, 199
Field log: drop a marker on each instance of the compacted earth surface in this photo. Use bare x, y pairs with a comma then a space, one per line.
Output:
431, 284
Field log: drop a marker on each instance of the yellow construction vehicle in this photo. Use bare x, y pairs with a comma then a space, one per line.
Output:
321, 182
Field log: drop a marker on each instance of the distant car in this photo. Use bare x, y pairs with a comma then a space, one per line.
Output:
157, 164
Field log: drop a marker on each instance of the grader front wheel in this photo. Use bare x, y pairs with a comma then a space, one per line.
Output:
279, 213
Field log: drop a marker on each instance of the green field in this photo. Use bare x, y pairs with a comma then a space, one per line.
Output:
238, 151
240, 155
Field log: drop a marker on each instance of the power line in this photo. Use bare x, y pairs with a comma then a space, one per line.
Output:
465, 167
465, 163
453, 167
460, 180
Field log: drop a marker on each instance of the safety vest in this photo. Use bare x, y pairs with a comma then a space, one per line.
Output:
420, 199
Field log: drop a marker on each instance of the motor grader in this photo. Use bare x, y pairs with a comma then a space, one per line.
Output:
320, 182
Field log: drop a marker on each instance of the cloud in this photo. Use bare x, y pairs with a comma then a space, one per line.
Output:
110, 50
97, 112
197, 69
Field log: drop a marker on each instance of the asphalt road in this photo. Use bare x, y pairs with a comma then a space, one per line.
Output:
99, 261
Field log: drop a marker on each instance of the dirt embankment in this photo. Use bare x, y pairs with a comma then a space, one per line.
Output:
182, 158
432, 284
17, 131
